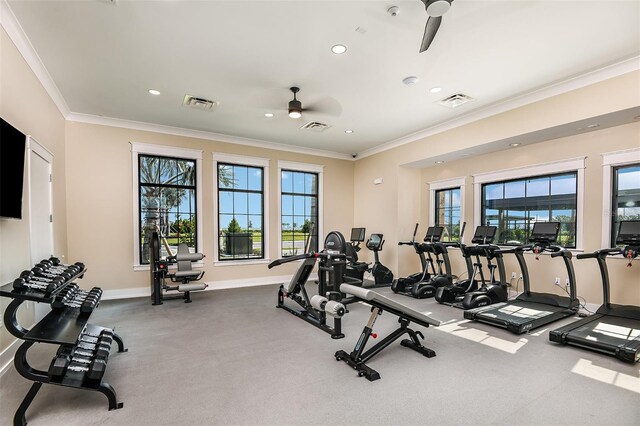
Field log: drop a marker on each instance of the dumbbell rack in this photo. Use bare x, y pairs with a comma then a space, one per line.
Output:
59, 327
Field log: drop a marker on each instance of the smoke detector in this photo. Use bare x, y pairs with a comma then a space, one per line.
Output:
456, 100
393, 10
315, 126
199, 103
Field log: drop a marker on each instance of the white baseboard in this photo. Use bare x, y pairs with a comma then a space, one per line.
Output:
212, 285
6, 357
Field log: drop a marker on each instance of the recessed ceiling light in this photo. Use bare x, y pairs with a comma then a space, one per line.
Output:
593, 126
435, 89
154, 92
268, 114
410, 80
339, 49
439, 162
514, 144
348, 131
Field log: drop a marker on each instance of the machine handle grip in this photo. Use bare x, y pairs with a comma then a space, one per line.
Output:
561, 253
279, 262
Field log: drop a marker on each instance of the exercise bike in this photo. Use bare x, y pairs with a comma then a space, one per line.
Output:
355, 268
382, 276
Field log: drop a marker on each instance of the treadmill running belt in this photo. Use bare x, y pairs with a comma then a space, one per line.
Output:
519, 313
606, 331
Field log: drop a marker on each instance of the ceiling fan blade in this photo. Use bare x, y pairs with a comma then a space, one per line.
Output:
327, 106
430, 30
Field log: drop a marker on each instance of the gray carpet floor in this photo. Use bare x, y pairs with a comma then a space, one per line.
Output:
232, 358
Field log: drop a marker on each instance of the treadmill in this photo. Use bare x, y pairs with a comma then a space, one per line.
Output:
531, 310
613, 329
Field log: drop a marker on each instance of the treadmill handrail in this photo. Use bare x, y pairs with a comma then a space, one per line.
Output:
599, 253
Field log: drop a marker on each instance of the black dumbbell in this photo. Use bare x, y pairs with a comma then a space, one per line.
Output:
47, 264
105, 335
62, 363
30, 276
86, 301
47, 273
56, 262
47, 287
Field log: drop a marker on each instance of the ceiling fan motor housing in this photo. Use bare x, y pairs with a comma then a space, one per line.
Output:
295, 105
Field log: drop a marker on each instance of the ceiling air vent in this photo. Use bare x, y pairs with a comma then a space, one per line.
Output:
456, 100
199, 103
315, 126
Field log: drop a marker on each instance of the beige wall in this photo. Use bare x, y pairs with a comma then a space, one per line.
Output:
543, 272
100, 202
26, 105
391, 206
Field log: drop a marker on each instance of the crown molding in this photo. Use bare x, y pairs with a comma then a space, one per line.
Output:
17, 35
199, 134
554, 89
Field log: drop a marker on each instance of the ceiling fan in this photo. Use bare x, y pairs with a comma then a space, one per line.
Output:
435, 10
327, 105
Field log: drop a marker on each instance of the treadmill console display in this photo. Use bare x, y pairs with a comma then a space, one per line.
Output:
357, 234
629, 233
434, 234
374, 241
545, 232
484, 234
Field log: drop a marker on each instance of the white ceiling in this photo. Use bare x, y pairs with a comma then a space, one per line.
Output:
246, 54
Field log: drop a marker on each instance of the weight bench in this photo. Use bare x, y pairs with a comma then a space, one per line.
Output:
185, 274
380, 303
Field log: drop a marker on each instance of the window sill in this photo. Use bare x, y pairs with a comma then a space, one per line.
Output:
138, 268
242, 262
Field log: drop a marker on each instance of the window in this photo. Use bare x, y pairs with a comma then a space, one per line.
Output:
241, 203
300, 191
620, 191
514, 206
240, 212
446, 206
513, 200
166, 198
626, 197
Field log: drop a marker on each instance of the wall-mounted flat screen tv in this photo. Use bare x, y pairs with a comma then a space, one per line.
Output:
12, 155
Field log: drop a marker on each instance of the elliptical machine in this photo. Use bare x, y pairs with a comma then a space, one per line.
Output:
454, 294
441, 278
382, 276
405, 285
494, 291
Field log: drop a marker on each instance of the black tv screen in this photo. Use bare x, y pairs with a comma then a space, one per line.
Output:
12, 153
357, 234
434, 234
545, 232
629, 232
484, 234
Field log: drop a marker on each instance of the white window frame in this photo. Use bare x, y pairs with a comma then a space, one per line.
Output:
570, 165
609, 161
439, 185
302, 167
241, 160
138, 148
